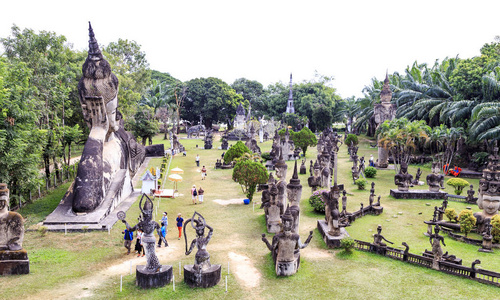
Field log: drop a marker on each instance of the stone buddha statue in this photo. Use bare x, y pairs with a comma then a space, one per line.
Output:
314, 181
11, 224
111, 155
274, 211
294, 193
403, 179
281, 169
435, 180
285, 247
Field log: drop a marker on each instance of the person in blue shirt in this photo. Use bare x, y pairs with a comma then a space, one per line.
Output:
128, 237
179, 224
163, 232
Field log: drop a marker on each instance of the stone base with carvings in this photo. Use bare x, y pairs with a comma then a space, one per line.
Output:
205, 279
148, 280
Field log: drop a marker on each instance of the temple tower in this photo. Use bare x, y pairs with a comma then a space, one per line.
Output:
289, 105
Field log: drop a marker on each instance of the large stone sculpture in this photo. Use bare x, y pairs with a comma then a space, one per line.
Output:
314, 181
332, 229
403, 179
436, 239
489, 191
294, 193
281, 168
251, 142
202, 273
275, 209
435, 180
285, 247
13, 258
385, 110
153, 274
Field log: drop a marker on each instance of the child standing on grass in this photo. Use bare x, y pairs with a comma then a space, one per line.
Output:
179, 220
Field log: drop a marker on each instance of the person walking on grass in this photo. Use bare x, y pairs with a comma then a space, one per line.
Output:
194, 194
163, 232
197, 160
138, 244
128, 236
203, 173
200, 195
179, 220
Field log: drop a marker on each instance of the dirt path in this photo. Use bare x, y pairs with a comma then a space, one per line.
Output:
85, 287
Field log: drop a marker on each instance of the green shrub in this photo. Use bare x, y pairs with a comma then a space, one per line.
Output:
317, 202
351, 138
370, 172
42, 230
481, 158
458, 184
451, 214
266, 156
361, 183
467, 221
347, 244
235, 151
249, 174
495, 230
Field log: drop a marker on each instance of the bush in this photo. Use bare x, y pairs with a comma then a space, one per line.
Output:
361, 183
266, 156
249, 174
495, 230
351, 138
458, 184
347, 244
370, 172
235, 151
467, 221
317, 202
42, 230
451, 214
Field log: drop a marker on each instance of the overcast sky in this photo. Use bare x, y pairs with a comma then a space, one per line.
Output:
353, 41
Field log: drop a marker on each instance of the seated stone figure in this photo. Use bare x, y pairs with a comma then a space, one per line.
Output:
13, 258
285, 247
435, 180
403, 180
111, 155
11, 224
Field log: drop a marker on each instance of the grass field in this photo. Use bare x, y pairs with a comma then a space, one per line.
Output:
66, 262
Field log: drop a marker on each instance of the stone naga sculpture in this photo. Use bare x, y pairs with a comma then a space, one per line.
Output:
285, 247
111, 155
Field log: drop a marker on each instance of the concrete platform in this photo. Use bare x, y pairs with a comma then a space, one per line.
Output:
331, 241
418, 194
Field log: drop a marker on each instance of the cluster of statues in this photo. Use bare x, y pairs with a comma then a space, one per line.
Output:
281, 147
251, 142
323, 170
208, 140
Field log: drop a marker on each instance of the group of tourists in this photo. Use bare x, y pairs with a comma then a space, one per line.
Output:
128, 236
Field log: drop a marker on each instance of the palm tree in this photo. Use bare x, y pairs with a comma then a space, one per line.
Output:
157, 95
350, 109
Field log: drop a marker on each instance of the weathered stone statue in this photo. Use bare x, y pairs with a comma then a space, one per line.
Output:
251, 142
274, 211
176, 146
281, 169
311, 168
385, 110
266, 196
378, 238
208, 139
314, 181
153, 274
416, 181
303, 169
13, 258
436, 239
332, 213
294, 193
285, 247
487, 243
403, 179
111, 155
202, 273
435, 180
240, 118
489, 192
224, 144
470, 194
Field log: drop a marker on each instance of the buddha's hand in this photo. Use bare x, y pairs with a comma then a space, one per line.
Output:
96, 110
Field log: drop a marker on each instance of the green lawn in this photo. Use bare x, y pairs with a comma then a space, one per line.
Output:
323, 273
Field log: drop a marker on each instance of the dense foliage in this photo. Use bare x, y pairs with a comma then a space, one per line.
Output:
361, 183
370, 172
467, 221
495, 230
317, 202
249, 174
451, 214
458, 183
236, 151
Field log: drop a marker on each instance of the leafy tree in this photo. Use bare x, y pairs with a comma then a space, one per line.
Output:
210, 98
451, 214
252, 91
351, 139
237, 150
129, 64
304, 138
249, 174
144, 125
467, 221
322, 117
295, 121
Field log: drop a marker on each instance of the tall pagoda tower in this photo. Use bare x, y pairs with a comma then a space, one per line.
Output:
289, 105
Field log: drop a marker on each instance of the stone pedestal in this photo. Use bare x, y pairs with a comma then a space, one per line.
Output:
331, 241
383, 157
14, 262
288, 268
148, 280
418, 194
205, 279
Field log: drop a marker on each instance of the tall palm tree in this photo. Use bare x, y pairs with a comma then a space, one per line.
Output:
156, 96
